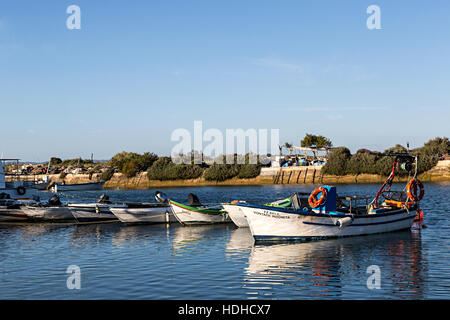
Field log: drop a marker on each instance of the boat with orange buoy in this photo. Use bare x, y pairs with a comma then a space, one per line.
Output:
326, 214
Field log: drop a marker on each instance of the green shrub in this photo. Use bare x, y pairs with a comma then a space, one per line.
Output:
130, 168
337, 163
221, 172
164, 169
248, 171
107, 174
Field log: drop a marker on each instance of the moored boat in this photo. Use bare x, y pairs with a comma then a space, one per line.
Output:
236, 214
64, 187
160, 212
95, 212
328, 216
10, 211
15, 188
196, 213
53, 211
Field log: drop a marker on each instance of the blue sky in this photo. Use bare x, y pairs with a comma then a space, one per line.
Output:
137, 70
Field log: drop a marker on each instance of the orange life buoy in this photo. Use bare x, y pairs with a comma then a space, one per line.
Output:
313, 201
411, 190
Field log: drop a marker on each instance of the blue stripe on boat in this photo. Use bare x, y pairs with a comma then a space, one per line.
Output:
360, 224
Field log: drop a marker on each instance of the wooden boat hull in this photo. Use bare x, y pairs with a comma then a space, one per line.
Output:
193, 216
268, 224
236, 215
144, 215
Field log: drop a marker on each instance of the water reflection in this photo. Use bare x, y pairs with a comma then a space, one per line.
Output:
132, 235
187, 238
325, 268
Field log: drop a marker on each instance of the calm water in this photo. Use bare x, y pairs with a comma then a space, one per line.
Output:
221, 262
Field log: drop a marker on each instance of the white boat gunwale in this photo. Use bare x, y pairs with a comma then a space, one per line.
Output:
384, 212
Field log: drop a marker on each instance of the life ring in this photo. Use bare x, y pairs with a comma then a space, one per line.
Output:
313, 201
411, 190
21, 190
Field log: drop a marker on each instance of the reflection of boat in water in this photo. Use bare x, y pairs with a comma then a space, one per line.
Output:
331, 263
241, 241
185, 239
138, 235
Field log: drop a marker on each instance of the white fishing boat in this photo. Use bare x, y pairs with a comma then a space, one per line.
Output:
237, 215
159, 212
63, 187
196, 213
148, 213
15, 188
53, 211
327, 216
95, 212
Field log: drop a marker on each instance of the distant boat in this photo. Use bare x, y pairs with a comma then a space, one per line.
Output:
64, 187
95, 212
15, 189
53, 211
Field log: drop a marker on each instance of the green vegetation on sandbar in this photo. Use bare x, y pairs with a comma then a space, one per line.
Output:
341, 162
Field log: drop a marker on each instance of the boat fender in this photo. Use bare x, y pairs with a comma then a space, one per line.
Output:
343, 222
21, 190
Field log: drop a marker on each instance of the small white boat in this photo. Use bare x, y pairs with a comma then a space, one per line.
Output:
159, 212
196, 213
148, 213
236, 214
48, 213
53, 211
61, 187
95, 212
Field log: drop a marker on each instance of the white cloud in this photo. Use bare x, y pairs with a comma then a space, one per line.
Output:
279, 64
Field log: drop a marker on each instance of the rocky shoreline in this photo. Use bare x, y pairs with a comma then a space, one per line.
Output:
440, 173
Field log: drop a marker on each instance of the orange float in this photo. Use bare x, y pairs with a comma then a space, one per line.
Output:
313, 201
411, 190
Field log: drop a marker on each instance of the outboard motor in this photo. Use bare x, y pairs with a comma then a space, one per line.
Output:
5, 195
54, 201
104, 199
161, 197
193, 200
